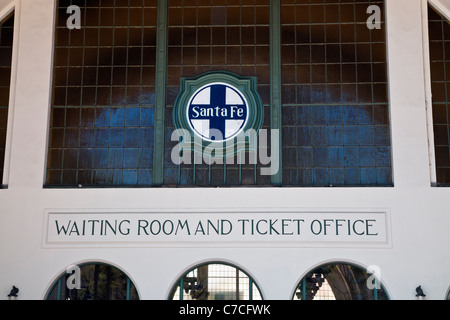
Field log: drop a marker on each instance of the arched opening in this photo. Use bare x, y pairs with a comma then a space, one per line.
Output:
340, 281
93, 281
215, 281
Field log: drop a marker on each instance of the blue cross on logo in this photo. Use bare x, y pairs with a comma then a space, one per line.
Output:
217, 112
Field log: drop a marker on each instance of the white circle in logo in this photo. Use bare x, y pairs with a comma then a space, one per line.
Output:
217, 112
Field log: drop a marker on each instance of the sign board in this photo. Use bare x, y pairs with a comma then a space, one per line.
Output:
217, 108
178, 228
217, 112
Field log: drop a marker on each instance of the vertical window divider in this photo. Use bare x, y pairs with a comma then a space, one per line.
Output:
160, 90
275, 81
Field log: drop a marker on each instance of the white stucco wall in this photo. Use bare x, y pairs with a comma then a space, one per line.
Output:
419, 253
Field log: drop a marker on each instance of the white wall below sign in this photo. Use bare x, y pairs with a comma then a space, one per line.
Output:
302, 227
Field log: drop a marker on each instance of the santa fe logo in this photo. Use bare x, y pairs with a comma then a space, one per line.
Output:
218, 116
217, 112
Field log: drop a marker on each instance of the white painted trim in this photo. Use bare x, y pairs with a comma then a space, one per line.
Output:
8, 9
50, 93
441, 7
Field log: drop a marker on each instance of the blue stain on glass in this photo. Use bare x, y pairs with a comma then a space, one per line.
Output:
115, 158
131, 137
352, 176
382, 156
147, 117
319, 115
117, 176
100, 158
116, 137
304, 136
336, 156
132, 117
145, 158
305, 157
334, 115
129, 177
101, 137
367, 156
319, 136
381, 135
351, 157
117, 117
304, 115
145, 177
170, 175
146, 137
130, 157
350, 135
336, 176
290, 133
320, 157
368, 176
365, 115
102, 117
335, 136
306, 177
350, 114
321, 177
366, 135
383, 175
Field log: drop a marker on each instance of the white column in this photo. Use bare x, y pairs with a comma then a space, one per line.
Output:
407, 94
33, 91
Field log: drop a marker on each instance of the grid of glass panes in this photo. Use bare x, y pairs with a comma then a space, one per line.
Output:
225, 35
6, 43
218, 282
439, 36
335, 105
102, 120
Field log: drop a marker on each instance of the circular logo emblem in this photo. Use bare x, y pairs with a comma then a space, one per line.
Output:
217, 112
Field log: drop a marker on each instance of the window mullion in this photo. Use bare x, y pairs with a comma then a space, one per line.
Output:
160, 91
275, 82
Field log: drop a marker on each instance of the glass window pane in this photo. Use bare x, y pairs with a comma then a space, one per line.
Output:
204, 36
103, 96
334, 76
439, 34
6, 45
216, 282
